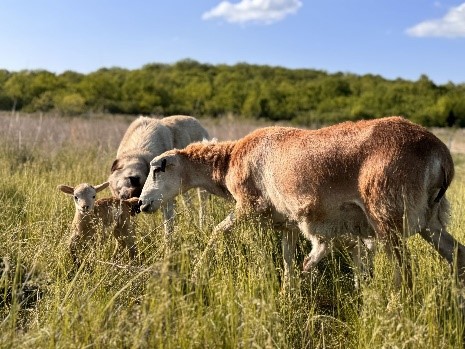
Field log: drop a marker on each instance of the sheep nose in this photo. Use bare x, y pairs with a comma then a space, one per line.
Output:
137, 207
144, 207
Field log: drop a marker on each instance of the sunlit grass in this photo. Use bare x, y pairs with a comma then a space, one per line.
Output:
238, 300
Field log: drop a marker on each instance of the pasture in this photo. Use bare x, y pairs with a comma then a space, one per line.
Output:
237, 301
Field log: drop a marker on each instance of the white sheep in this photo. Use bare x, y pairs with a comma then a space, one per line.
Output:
144, 139
105, 213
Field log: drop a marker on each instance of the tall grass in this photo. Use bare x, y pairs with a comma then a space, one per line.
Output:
237, 301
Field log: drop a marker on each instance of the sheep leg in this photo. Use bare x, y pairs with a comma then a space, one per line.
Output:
187, 201
168, 217
127, 242
319, 251
74, 250
448, 247
288, 242
125, 238
319, 247
77, 244
362, 257
396, 250
203, 199
224, 227
202, 196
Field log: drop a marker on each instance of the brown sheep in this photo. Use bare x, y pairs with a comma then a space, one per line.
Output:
383, 178
144, 139
105, 213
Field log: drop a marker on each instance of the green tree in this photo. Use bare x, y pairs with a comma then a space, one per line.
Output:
44, 102
15, 88
102, 89
6, 103
71, 104
255, 91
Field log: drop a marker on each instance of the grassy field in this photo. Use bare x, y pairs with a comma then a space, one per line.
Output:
237, 302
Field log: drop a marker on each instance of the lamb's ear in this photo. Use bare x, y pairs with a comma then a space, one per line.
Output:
66, 189
102, 186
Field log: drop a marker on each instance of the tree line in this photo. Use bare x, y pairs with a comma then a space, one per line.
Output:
302, 96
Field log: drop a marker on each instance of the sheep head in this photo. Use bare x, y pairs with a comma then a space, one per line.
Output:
83, 194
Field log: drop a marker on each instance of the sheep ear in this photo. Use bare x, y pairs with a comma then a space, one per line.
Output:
159, 166
163, 165
102, 186
170, 161
115, 166
66, 189
210, 141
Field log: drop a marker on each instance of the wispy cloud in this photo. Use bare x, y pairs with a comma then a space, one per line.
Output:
256, 11
451, 25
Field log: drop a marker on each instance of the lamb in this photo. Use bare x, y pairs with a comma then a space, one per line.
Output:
106, 213
144, 139
383, 179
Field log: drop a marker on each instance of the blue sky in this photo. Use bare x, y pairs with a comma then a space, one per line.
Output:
392, 38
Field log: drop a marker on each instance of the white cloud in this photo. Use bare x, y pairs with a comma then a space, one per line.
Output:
258, 11
451, 25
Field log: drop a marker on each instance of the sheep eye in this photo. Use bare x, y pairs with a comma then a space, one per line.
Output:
155, 171
75, 198
134, 181
93, 197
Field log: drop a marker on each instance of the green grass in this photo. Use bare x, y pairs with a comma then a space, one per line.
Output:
238, 300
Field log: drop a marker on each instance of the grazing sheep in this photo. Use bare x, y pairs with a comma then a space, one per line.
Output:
106, 212
383, 178
144, 139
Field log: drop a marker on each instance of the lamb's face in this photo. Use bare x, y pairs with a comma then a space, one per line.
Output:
162, 184
84, 197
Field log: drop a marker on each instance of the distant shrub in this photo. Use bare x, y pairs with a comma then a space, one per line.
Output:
71, 104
